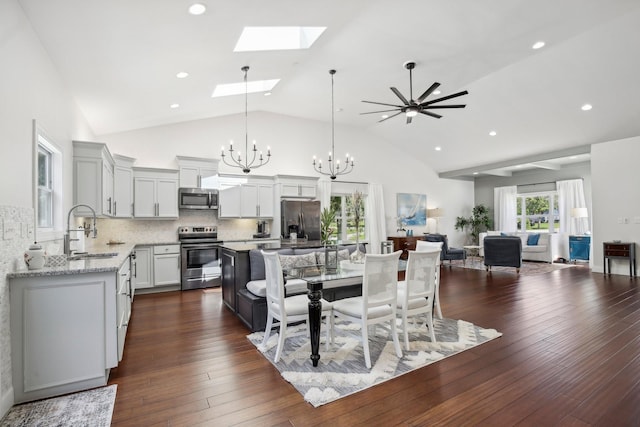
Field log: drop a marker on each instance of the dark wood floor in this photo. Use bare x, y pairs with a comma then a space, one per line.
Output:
569, 355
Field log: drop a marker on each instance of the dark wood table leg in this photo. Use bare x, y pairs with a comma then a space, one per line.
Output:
315, 319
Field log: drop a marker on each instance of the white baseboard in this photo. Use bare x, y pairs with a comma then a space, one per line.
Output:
6, 402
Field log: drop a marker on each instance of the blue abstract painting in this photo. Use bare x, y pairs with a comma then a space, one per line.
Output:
412, 209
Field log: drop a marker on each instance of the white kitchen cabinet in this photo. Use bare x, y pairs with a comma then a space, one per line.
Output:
166, 265
63, 333
143, 270
155, 193
297, 186
197, 172
241, 197
123, 186
123, 304
92, 178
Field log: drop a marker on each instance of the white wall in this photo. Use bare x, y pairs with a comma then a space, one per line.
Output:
615, 193
293, 143
30, 88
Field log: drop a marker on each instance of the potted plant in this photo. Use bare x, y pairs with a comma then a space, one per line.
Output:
475, 224
327, 218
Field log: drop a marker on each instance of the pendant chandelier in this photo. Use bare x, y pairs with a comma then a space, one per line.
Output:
334, 168
256, 160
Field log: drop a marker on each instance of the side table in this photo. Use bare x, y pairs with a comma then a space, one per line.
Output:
472, 250
619, 250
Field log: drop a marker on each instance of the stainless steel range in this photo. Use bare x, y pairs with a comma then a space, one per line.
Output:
200, 256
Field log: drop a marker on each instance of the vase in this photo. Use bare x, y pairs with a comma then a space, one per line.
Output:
357, 257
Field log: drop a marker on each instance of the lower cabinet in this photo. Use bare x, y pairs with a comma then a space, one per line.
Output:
235, 275
157, 267
63, 333
123, 304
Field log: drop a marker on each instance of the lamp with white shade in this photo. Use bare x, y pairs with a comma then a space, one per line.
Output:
580, 214
436, 213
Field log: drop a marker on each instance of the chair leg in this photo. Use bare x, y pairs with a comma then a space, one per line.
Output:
394, 334
405, 330
329, 330
365, 346
267, 330
281, 336
432, 333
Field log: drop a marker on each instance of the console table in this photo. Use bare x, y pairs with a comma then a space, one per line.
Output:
619, 250
404, 244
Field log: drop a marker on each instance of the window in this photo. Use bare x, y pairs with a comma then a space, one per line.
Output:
47, 186
538, 212
345, 223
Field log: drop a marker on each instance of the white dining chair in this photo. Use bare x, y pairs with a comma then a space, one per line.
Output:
377, 305
287, 310
417, 292
424, 246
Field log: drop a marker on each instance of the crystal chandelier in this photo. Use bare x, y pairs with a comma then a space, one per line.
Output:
334, 168
256, 160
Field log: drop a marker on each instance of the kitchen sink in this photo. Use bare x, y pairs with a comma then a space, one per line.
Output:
87, 255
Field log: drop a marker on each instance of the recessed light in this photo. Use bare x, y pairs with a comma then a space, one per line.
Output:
436, 92
493, 133
475, 173
385, 116
438, 148
175, 105
538, 45
182, 75
197, 9
277, 38
586, 107
267, 94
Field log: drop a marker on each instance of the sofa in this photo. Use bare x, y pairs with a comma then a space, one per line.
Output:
252, 303
502, 251
535, 246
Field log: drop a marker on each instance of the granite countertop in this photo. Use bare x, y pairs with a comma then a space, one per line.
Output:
88, 265
245, 247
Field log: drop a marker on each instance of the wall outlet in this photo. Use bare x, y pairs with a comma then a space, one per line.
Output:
625, 220
11, 230
620, 220
636, 220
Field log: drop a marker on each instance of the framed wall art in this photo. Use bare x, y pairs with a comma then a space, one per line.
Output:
412, 209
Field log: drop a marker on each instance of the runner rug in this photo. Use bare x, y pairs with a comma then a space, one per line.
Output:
88, 408
527, 269
342, 369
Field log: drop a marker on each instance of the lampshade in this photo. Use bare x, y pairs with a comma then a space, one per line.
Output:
435, 213
579, 213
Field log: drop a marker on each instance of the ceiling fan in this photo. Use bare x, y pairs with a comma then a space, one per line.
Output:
412, 108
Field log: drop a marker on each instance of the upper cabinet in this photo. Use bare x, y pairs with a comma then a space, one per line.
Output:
245, 197
198, 172
155, 193
93, 169
297, 186
123, 186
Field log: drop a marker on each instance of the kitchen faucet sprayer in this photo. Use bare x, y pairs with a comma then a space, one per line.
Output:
67, 236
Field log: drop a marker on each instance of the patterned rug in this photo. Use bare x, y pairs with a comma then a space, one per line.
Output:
528, 268
342, 370
88, 408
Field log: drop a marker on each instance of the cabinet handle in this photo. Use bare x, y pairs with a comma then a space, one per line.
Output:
199, 180
115, 208
109, 202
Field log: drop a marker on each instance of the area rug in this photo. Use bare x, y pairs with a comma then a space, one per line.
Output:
88, 408
342, 371
527, 269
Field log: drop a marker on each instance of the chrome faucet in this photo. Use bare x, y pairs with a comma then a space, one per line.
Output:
67, 236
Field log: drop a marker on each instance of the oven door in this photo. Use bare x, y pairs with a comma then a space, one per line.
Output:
200, 266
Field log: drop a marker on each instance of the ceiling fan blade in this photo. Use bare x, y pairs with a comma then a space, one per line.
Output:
381, 111
428, 92
400, 112
444, 98
399, 95
382, 103
409, 119
437, 116
431, 107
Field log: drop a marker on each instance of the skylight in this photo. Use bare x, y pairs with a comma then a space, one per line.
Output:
228, 89
277, 38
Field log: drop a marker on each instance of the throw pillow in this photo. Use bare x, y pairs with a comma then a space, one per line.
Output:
291, 263
532, 240
343, 254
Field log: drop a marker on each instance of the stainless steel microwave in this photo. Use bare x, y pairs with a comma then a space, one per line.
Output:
197, 198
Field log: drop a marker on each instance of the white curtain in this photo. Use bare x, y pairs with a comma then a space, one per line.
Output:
325, 194
571, 195
504, 208
375, 218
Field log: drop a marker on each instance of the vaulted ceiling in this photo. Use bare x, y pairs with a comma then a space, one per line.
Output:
120, 58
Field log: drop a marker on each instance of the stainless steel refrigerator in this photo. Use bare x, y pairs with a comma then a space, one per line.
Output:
301, 217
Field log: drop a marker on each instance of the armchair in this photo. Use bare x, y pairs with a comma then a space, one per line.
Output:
447, 252
503, 251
